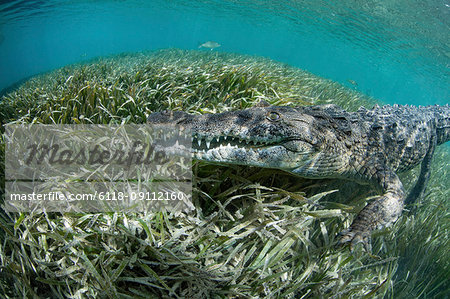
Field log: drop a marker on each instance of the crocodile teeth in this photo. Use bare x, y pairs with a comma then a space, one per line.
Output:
208, 143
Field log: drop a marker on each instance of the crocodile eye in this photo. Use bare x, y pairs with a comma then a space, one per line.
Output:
273, 116
165, 112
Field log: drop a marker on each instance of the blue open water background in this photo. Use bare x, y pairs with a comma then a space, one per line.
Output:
395, 51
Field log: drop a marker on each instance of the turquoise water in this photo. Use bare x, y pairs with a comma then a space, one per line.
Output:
395, 51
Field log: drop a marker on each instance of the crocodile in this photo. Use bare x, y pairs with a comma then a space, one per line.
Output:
369, 146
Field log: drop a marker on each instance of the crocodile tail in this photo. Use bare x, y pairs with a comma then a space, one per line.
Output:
443, 124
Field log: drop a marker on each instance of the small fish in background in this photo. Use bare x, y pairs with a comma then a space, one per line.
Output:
352, 82
209, 45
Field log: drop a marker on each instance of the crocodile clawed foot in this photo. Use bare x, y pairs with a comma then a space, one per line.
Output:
352, 237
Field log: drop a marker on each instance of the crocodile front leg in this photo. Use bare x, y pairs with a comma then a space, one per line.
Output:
382, 212
418, 190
